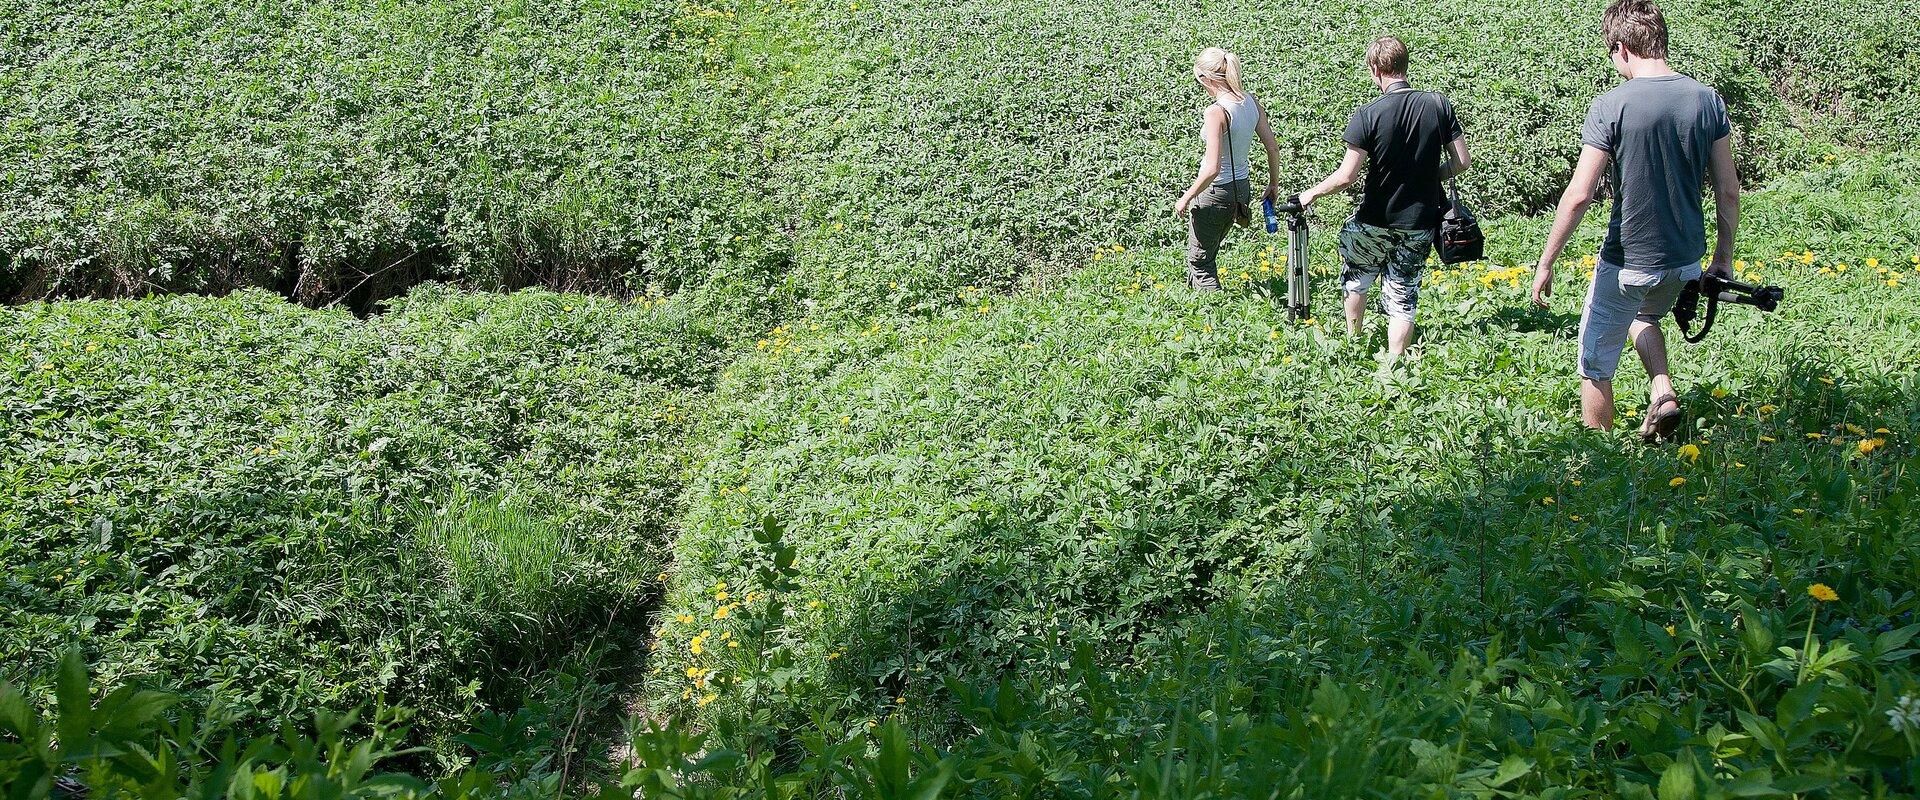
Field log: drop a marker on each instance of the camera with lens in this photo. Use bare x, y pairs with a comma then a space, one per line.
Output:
1719, 290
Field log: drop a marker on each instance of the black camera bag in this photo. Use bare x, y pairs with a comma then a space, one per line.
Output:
1460, 238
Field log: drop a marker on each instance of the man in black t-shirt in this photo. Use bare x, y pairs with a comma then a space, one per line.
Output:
1401, 139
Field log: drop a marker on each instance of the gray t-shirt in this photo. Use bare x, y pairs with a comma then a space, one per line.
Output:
1660, 132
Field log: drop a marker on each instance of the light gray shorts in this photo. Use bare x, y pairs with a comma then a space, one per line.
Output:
1617, 298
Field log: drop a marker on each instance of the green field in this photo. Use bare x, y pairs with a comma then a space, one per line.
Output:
847, 432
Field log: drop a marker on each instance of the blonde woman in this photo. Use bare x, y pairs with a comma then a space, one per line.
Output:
1221, 194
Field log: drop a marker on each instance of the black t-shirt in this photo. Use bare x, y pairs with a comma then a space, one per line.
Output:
1404, 134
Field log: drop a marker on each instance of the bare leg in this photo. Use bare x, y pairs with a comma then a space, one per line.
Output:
1596, 404
1651, 344
1356, 311
1399, 336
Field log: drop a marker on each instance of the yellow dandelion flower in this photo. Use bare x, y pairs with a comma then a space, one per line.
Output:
723, 612
1718, 392
1546, 501
1881, 430
1873, 263
1671, 631
1822, 593
1576, 481
1816, 435
1574, 517
1768, 408
1799, 511
1854, 429
1690, 452
1869, 445
1677, 482
706, 698
1768, 439
721, 596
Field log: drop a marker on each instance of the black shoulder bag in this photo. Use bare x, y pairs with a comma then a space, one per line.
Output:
1460, 237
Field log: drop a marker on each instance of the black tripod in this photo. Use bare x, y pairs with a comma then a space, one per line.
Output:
1297, 295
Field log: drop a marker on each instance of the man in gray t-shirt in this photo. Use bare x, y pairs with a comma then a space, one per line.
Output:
1658, 137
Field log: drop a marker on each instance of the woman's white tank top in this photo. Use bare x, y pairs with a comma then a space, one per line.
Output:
1242, 116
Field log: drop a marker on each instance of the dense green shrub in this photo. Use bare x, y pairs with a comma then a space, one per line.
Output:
800, 155
342, 149
1847, 67
214, 495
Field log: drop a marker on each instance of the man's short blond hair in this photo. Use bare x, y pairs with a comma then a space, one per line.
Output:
1388, 56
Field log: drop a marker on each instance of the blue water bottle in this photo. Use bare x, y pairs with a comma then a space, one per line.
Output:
1273, 220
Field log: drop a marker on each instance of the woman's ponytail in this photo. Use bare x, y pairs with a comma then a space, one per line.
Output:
1220, 65
1232, 69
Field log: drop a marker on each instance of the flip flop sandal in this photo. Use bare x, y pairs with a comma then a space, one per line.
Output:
1662, 426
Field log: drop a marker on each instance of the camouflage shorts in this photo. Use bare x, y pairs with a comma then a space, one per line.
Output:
1398, 255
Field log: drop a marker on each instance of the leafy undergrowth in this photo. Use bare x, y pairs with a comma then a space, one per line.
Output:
1103, 538
1057, 532
276, 509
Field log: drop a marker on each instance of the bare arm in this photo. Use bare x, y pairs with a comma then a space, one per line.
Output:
1341, 178
1272, 145
1212, 130
1726, 205
1458, 149
1566, 218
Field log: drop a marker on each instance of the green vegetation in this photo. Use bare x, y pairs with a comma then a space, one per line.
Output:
346, 149
281, 508
984, 493
889, 528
